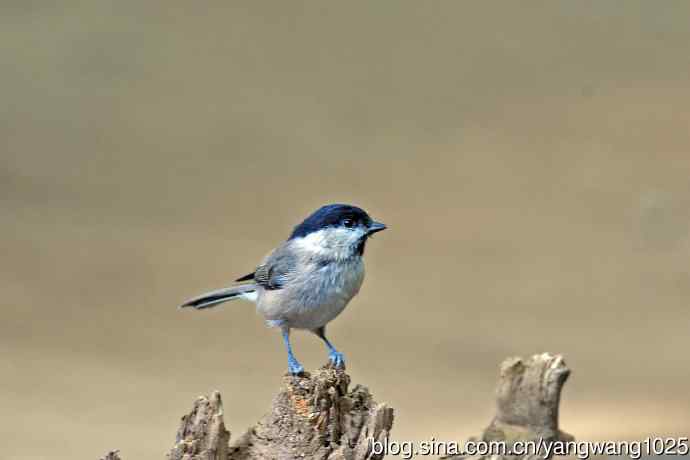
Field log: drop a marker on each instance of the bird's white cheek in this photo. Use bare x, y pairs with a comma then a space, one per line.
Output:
314, 243
333, 243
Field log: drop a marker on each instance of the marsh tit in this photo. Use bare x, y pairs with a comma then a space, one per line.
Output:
309, 279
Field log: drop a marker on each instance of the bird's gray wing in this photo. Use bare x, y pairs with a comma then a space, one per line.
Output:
275, 271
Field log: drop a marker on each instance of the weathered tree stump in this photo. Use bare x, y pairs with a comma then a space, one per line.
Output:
528, 398
312, 417
202, 434
318, 417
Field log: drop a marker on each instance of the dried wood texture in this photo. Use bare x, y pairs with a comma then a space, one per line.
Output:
202, 434
317, 417
312, 417
320, 417
528, 398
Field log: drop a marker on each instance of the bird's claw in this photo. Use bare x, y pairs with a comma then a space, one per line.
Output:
337, 359
295, 368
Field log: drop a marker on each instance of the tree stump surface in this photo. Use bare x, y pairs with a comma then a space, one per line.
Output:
319, 417
313, 417
202, 434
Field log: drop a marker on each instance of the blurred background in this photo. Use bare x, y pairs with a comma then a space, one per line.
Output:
531, 160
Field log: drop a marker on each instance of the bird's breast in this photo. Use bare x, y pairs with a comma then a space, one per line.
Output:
342, 278
318, 295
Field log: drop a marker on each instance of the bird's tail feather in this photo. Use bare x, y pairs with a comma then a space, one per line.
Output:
213, 298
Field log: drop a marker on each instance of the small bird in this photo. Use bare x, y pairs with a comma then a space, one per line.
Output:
309, 279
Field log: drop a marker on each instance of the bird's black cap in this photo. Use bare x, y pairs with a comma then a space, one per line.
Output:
331, 215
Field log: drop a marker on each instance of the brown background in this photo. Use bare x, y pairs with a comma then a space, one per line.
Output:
531, 159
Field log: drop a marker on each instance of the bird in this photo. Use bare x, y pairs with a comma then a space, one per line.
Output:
309, 279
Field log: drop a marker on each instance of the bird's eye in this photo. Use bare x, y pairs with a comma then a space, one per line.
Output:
349, 223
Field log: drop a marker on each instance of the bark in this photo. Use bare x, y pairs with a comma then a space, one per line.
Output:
320, 417
312, 417
202, 434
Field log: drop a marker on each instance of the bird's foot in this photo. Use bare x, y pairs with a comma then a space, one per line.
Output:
337, 359
295, 367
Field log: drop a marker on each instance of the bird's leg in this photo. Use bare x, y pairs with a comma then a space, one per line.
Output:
337, 358
294, 366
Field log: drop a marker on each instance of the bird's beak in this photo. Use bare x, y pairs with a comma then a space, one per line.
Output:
376, 227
